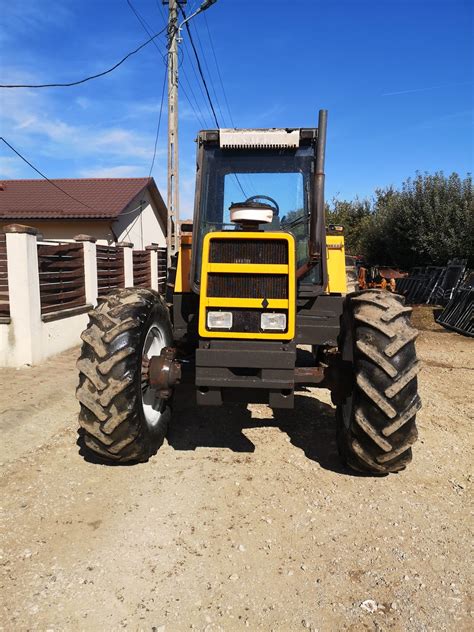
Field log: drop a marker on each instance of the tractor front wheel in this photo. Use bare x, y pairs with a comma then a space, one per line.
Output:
376, 417
123, 419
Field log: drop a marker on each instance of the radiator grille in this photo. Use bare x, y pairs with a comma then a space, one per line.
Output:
248, 273
227, 285
258, 251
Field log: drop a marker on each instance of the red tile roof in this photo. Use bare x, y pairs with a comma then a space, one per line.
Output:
93, 198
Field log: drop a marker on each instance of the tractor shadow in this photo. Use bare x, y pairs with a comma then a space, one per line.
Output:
310, 426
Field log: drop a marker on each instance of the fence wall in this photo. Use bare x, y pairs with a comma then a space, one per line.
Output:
47, 289
4, 299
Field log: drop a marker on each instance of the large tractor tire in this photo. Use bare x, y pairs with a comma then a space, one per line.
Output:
376, 416
121, 416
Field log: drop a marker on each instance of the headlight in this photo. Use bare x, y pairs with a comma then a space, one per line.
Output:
273, 321
219, 320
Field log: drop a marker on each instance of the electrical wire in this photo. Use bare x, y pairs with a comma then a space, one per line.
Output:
198, 81
146, 27
218, 71
57, 185
208, 70
201, 73
46, 177
248, 177
159, 123
100, 74
196, 111
143, 22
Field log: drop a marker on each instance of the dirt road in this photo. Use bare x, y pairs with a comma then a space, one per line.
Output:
244, 520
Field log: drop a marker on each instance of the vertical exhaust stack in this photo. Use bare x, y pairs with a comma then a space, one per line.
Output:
317, 211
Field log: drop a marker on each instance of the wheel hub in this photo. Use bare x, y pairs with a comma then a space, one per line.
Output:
164, 372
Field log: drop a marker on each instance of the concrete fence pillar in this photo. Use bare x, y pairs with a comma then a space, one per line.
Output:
127, 262
153, 266
24, 293
90, 267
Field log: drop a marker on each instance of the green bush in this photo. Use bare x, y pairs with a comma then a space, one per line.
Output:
428, 221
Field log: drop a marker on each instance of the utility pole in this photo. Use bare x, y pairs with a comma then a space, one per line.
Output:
173, 164
172, 237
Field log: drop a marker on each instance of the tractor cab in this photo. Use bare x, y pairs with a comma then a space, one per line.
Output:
255, 180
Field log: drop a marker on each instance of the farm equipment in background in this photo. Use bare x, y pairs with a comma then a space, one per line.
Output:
432, 285
458, 313
259, 275
379, 278
450, 287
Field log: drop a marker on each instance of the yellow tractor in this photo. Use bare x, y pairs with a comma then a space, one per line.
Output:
259, 276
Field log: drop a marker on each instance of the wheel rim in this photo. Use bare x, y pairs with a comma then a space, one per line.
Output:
152, 404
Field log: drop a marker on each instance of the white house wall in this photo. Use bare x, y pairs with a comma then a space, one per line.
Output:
141, 229
66, 230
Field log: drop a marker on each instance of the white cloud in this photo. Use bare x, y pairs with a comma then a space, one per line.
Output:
30, 119
9, 168
119, 171
83, 102
24, 17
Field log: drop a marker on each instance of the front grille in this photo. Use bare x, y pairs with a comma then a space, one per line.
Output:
258, 251
247, 274
231, 285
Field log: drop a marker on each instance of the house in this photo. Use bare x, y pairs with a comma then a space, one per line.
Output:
109, 209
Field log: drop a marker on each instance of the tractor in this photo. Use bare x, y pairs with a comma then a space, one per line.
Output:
259, 277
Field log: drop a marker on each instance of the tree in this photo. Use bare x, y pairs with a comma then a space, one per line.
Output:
429, 221
353, 216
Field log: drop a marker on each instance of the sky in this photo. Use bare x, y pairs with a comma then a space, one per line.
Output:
395, 75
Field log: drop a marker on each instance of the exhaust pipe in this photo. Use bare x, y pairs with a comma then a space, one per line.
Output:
317, 222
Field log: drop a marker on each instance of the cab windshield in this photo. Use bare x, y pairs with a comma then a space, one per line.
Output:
231, 176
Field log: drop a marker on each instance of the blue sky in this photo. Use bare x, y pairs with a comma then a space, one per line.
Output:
396, 76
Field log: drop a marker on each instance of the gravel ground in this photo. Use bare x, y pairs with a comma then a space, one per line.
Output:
245, 519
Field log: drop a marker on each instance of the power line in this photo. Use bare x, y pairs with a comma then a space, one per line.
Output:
208, 70
144, 23
100, 74
218, 71
57, 185
146, 27
247, 176
198, 115
160, 8
206, 88
197, 111
159, 123
199, 83
46, 177
199, 67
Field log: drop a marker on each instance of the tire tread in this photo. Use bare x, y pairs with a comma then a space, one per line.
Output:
385, 400
109, 368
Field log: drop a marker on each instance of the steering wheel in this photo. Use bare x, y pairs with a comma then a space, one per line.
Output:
255, 198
